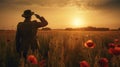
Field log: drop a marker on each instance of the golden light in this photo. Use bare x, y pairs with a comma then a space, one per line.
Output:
77, 22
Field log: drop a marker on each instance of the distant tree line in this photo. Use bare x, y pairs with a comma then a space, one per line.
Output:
46, 28
89, 29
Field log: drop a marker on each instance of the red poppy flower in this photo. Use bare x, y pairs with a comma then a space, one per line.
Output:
118, 45
32, 59
84, 64
111, 50
103, 62
111, 45
114, 51
116, 40
117, 50
42, 63
89, 44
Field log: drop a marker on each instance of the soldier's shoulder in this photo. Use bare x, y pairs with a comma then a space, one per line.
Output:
20, 23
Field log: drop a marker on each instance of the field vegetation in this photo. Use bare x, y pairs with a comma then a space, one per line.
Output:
64, 49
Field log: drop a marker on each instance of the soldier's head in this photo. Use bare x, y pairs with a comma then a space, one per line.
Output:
27, 14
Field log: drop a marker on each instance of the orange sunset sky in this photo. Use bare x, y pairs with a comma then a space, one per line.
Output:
63, 13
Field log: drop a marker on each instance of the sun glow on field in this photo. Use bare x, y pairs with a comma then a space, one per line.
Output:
77, 22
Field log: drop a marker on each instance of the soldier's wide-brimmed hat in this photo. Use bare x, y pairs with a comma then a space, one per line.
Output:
27, 13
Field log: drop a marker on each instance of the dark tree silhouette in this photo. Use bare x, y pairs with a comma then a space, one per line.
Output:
46, 28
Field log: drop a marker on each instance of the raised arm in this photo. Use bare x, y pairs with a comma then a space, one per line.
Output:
43, 21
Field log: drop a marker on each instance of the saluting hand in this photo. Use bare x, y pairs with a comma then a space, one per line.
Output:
37, 16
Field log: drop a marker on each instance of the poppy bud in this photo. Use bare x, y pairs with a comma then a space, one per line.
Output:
103, 62
32, 59
111, 45
84, 64
114, 51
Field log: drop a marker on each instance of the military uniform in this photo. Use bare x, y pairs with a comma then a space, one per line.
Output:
26, 35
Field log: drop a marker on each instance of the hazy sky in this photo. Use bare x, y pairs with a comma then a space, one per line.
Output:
63, 13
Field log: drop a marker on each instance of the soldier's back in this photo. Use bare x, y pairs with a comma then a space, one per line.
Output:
27, 30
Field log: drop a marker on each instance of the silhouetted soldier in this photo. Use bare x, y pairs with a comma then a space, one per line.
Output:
26, 32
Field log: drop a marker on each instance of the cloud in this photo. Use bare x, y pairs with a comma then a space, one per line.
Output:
13, 4
90, 4
37, 2
106, 4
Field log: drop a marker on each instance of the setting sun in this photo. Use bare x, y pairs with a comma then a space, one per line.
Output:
77, 22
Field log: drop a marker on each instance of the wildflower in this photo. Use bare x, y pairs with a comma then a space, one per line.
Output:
32, 59
84, 64
42, 63
116, 40
89, 44
117, 50
118, 45
114, 51
103, 62
111, 45
111, 50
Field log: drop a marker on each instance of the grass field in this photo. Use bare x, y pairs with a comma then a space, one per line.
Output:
63, 48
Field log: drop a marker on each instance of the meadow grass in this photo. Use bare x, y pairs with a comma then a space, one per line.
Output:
62, 48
